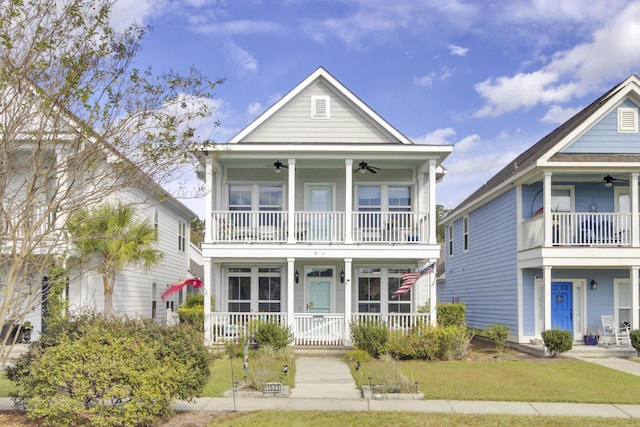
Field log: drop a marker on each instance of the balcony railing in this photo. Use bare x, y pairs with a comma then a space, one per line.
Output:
579, 229
326, 329
320, 227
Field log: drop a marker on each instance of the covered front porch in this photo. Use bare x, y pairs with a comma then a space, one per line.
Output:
308, 329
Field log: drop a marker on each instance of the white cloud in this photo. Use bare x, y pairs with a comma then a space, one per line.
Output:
424, 81
612, 54
254, 108
467, 143
127, 12
241, 57
557, 114
437, 137
458, 50
240, 27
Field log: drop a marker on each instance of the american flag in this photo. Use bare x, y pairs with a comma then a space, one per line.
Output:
409, 279
374, 288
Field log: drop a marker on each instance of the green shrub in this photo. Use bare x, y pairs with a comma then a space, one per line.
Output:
498, 335
433, 343
369, 336
115, 372
452, 342
557, 341
192, 311
449, 314
272, 334
635, 339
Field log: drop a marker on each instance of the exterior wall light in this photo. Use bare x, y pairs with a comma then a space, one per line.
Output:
594, 285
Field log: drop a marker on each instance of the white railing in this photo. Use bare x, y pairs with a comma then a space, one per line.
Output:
405, 322
591, 229
40, 222
319, 329
390, 227
240, 327
315, 227
260, 226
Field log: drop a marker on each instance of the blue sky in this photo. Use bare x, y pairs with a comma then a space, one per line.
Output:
491, 77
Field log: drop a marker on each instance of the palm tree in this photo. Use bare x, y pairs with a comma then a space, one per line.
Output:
111, 234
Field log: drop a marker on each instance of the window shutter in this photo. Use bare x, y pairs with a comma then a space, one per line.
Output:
627, 120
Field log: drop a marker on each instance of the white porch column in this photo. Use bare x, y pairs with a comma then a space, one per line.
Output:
347, 300
348, 202
291, 202
635, 216
433, 297
432, 202
208, 219
635, 294
546, 276
546, 204
290, 294
208, 336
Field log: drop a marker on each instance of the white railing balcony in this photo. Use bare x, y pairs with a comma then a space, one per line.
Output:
390, 227
591, 229
579, 229
317, 227
240, 327
250, 226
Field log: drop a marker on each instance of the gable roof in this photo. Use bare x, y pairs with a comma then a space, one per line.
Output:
321, 74
549, 146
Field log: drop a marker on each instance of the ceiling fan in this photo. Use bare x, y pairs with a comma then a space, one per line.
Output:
278, 165
363, 167
609, 180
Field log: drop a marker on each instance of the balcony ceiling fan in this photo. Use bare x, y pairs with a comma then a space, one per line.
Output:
278, 166
363, 167
609, 180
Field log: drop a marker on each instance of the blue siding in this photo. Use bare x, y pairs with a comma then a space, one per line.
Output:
603, 137
485, 277
528, 301
532, 199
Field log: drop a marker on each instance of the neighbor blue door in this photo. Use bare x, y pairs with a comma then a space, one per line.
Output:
562, 306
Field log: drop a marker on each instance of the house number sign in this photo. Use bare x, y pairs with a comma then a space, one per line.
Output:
272, 387
559, 298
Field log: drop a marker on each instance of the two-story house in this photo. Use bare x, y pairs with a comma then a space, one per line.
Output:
553, 239
313, 211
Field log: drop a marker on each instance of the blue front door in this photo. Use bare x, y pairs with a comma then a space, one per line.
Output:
562, 306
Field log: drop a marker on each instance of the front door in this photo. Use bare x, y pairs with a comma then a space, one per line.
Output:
319, 282
320, 200
562, 306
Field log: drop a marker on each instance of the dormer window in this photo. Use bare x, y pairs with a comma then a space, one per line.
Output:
320, 107
627, 120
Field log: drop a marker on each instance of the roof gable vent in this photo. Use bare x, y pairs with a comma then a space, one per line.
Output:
627, 120
320, 107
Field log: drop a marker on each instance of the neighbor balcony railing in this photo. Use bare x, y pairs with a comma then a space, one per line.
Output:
579, 229
320, 227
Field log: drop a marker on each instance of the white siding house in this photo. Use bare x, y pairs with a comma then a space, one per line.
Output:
554, 237
313, 211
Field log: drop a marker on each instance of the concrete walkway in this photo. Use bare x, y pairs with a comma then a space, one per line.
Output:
327, 384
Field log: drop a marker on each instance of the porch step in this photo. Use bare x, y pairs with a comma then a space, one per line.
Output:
580, 350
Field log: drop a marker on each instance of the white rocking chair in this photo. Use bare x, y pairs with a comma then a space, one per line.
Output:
621, 335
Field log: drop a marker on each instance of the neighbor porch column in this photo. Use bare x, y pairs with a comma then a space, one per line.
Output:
432, 202
348, 202
208, 336
290, 295
546, 276
432, 298
546, 204
635, 216
347, 301
208, 199
635, 293
291, 202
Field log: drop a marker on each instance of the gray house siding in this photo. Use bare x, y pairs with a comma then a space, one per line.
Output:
603, 137
484, 278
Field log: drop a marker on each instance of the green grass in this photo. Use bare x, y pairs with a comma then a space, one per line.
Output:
6, 386
560, 380
220, 379
405, 419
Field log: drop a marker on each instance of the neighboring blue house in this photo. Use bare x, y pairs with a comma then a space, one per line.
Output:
553, 239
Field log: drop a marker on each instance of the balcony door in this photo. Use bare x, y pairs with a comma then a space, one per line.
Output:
320, 205
622, 204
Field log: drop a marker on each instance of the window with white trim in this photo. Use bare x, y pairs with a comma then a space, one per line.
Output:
383, 198
156, 220
257, 289
269, 290
465, 233
154, 300
369, 290
256, 197
450, 239
376, 287
320, 107
239, 288
182, 236
627, 120
397, 303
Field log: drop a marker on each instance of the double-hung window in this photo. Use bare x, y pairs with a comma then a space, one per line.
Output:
269, 289
267, 200
239, 289
383, 206
369, 290
255, 289
182, 236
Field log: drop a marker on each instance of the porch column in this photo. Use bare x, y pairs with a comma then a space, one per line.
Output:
433, 313
546, 276
348, 202
546, 204
432, 202
635, 293
208, 336
290, 294
347, 300
635, 216
208, 219
291, 202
